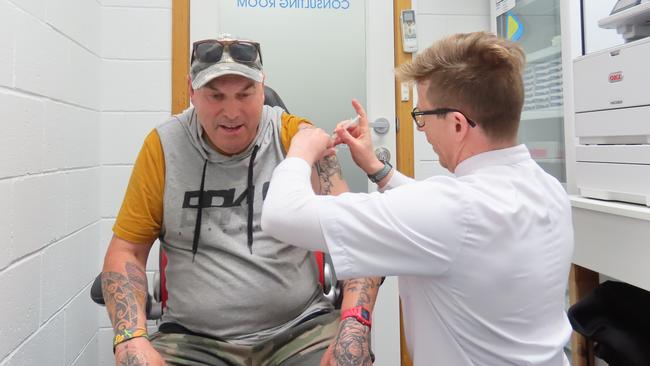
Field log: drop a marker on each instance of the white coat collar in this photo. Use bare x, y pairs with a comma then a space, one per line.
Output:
507, 156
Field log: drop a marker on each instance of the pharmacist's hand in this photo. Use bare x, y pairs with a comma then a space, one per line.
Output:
359, 140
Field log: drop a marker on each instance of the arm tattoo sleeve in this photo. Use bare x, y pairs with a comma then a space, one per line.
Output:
326, 168
352, 346
125, 296
131, 357
366, 289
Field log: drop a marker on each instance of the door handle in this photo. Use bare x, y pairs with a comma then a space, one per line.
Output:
380, 126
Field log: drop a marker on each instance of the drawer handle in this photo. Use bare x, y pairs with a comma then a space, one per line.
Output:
615, 53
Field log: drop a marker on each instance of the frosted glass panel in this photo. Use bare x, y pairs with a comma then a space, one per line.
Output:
314, 55
535, 25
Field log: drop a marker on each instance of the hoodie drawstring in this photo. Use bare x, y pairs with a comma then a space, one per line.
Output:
197, 225
251, 198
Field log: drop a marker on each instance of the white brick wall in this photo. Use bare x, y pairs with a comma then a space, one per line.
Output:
139, 125
114, 182
124, 24
39, 212
44, 347
61, 281
72, 137
19, 308
80, 327
8, 31
136, 52
81, 84
6, 220
22, 137
147, 81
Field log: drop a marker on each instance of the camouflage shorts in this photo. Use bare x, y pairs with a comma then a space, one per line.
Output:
302, 345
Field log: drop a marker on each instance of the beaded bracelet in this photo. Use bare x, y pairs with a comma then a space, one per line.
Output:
126, 334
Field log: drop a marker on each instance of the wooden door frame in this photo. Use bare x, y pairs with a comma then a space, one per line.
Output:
404, 143
405, 152
180, 55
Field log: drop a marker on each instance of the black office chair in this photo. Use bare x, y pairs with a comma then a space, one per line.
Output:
271, 98
615, 316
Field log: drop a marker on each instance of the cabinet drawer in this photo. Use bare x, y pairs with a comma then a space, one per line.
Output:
615, 126
616, 182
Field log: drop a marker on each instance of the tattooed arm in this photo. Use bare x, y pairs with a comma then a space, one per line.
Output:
352, 343
351, 347
327, 177
124, 286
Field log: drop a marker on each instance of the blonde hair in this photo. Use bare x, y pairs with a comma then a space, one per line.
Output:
476, 73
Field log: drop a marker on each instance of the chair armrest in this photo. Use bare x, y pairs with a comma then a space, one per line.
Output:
331, 286
96, 291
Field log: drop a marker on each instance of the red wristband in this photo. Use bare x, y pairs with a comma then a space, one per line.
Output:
361, 314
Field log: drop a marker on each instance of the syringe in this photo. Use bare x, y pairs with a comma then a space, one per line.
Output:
350, 123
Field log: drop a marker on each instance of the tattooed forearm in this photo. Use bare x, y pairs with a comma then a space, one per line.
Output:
327, 168
352, 344
131, 357
139, 280
125, 296
365, 288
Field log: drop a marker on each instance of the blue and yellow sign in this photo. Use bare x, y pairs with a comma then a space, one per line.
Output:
514, 27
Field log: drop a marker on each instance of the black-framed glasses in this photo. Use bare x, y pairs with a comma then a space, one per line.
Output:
244, 52
419, 121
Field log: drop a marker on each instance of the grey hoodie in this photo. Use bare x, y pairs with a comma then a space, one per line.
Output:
225, 277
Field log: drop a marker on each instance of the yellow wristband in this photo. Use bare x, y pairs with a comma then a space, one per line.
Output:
126, 334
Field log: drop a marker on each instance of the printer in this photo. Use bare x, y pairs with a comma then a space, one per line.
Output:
612, 122
629, 18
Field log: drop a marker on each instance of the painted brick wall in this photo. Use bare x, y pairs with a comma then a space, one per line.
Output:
136, 96
81, 83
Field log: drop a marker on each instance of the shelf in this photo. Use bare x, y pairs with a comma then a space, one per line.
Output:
612, 238
544, 54
556, 112
630, 210
536, 7
638, 14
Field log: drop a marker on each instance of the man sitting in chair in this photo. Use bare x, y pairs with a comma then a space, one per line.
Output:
236, 296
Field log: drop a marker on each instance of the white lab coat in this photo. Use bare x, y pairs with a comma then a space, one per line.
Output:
482, 258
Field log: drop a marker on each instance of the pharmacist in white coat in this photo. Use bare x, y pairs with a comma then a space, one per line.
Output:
482, 257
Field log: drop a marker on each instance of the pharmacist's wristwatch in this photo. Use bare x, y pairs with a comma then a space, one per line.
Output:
381, 174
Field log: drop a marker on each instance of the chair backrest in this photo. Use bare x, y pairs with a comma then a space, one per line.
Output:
271, 98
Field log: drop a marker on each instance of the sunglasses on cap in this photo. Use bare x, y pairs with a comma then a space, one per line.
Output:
211, 51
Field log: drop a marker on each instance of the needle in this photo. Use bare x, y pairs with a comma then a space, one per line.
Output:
348, 124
